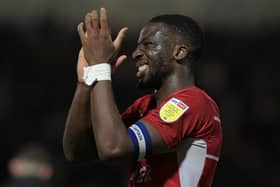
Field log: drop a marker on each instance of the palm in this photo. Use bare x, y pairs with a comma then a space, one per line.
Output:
97, 42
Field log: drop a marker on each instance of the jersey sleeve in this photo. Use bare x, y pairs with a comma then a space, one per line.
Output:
130, 115
135, 111
178, 116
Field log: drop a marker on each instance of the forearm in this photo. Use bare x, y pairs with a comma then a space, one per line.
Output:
112, 140
78, 141
110, 133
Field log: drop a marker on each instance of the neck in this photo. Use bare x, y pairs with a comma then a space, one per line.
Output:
177, 81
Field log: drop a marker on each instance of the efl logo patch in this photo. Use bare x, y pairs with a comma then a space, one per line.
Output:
172, 110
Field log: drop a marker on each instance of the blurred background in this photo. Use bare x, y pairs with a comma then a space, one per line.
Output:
239, 69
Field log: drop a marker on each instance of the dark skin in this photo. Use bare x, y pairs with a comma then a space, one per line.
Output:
94, 108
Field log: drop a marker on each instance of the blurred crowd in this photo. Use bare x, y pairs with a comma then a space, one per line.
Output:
37, 77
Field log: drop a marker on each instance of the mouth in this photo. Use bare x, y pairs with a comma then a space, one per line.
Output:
142, 68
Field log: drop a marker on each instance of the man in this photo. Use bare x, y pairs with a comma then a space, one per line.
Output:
170, 138
30, 167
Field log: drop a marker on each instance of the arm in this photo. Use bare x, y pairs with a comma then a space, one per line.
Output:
110, 132
111, 135
78, 140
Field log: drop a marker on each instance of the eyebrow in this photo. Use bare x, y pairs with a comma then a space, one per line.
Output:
143, 40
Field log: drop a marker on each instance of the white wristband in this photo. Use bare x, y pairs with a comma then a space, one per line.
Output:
97, 72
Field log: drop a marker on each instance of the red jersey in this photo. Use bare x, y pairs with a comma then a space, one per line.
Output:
189, 123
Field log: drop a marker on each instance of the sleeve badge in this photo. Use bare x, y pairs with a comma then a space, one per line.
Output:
172, 110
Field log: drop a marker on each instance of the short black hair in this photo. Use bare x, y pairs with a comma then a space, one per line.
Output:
187, 29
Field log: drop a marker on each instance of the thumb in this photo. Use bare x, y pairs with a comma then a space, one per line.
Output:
119, 61
81, 53
118, 41
81, 59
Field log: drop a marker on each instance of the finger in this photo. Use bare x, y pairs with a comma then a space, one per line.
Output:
104, 21
119, 39
94, 21
88, 23
82, 58
119, 61
81, 32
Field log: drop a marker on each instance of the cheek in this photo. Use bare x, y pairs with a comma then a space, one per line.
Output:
159, 58
155, 56
156, 51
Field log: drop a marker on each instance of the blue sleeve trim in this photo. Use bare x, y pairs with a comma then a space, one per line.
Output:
135, 143
147, 137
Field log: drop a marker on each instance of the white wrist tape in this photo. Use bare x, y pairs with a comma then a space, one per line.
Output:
97, 72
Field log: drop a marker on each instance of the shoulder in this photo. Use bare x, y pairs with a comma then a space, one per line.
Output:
197, 97
196, 100
193, 96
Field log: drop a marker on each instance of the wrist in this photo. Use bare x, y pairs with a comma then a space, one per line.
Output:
98, 72
96, 62
83, 87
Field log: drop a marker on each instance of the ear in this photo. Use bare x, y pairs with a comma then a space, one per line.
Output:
180, 52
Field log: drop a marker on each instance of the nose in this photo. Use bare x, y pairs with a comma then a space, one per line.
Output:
137, 54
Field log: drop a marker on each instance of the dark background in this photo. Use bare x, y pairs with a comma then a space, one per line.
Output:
239, 69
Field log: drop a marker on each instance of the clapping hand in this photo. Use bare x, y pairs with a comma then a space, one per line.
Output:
96, 40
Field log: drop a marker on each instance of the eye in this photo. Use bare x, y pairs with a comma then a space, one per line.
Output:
148, 44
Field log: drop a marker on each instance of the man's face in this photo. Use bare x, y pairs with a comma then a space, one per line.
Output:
152, 55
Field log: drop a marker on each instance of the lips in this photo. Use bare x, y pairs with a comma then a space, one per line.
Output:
142, 70
142, 67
